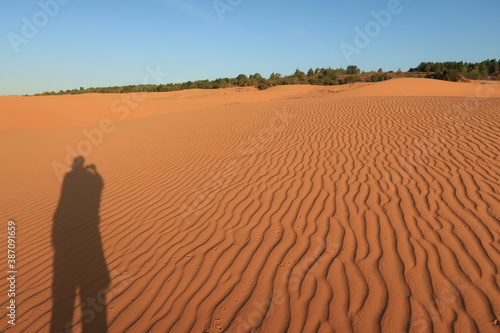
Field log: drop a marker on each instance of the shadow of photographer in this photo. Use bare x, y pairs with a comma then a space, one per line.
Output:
79, 262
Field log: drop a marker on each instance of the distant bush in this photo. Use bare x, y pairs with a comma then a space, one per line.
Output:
352, 79
377, 77
352, 69
477, 74
263, 85
329, 81
452, 75
299, 74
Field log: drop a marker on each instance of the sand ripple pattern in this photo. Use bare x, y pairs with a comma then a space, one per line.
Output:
376, 214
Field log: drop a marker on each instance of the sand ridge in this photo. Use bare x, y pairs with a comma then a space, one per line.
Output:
346, 210
49, 113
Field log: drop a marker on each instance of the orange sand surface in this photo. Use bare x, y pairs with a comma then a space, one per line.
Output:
371, 207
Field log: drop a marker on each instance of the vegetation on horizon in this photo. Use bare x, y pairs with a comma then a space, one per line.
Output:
449, 71
459, 70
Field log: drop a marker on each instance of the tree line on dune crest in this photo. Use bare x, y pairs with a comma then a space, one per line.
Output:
449, 71
319, 76
460, 71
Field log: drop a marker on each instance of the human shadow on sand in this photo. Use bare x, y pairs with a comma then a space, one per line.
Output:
79, 263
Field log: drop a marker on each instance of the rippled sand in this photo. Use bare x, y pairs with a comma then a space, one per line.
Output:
364, 208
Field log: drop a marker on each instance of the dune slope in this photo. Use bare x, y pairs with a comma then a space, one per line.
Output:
348, 212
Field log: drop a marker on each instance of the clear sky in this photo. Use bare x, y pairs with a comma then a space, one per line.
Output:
50, 45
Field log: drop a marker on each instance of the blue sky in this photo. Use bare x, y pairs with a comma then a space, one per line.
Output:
105, 43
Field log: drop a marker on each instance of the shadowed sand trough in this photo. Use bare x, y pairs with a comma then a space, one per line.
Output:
371, 208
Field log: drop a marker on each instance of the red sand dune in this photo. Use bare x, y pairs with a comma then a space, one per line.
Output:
363, 208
